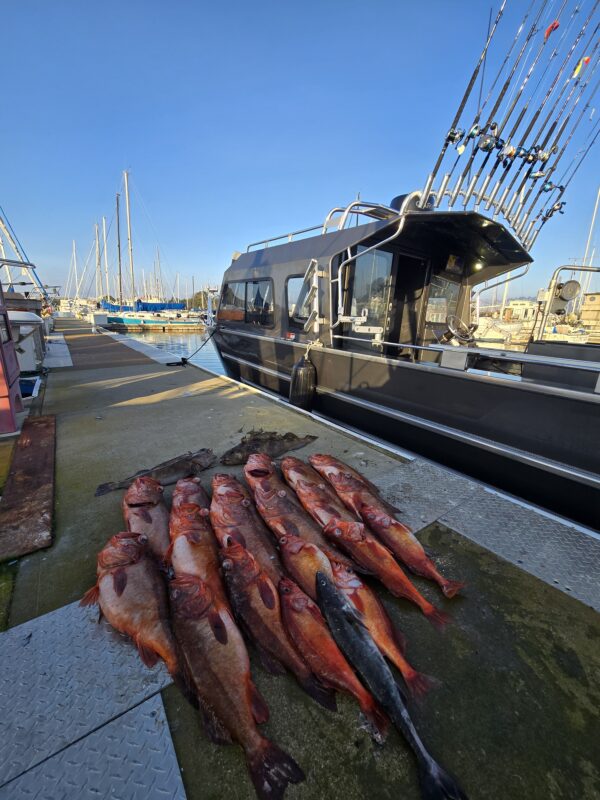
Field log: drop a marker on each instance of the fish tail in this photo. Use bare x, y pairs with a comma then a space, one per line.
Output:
419, 684
321, 694
439, 619
437, 784
450, 588
90, 598
105, 488
271, 770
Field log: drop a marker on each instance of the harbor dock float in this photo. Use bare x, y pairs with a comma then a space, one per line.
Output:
515, 715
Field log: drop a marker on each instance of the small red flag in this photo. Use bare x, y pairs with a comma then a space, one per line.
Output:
550, 29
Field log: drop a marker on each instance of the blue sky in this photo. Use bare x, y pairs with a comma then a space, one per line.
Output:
237, 120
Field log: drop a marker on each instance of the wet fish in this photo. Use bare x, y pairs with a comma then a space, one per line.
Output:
302, 560
219, 670
256, 602
167, 472
359, 496
194, 549
271, 443
342, 527
389, 640
378, 560
131, 594
189, 490
311, 636
359, 648
145, 512
233, 515
280, 509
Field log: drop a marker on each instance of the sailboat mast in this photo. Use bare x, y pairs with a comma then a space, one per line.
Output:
161, 293
129, 243
98, 268
75, 271
105, 259
119, 255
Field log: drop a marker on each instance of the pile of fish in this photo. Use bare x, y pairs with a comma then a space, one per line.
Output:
277, 563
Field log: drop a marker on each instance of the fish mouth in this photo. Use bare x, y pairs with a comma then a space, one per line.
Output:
258, 472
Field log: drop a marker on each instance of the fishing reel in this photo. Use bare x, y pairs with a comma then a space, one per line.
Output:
548, 186
454, 135
474, 131
556, 208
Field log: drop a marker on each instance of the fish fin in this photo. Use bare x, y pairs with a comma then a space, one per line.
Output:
90, 598
143, 514
169, 553
105, 488
238, 538
195, 537
271, 770
270, 664
260, 710
439, 619
148, 656
119, 581
266, 591
420, 684
217, 626
213, 727
437, 784
100, 616
186, 689
322, 694
379, 723
451, 588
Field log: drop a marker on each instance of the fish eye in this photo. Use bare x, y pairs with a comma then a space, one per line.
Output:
227, 564
283, 540
246, 502
281, 493
143, 539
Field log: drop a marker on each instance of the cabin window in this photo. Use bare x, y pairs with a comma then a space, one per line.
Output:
4, 329
371, 286
259, 302
233, 302
298, 307
443, 299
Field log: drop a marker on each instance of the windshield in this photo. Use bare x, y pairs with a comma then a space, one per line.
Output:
443, 299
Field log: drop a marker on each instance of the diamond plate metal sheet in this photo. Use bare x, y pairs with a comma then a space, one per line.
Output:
420, 489
560, 554
130, 758
62, 676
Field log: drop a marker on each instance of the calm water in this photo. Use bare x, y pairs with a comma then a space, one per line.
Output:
182, 344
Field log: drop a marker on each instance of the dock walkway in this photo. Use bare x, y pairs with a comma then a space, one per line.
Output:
82, 717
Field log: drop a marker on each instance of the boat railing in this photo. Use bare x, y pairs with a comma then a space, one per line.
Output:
459, 358
359, 207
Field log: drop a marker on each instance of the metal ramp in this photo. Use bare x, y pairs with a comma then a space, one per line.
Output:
81, 715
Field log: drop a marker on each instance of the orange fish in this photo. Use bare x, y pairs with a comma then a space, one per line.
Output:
302, 561
145, 512
234, 516
189, 490
218, 669
280, 509
317, 496
357, 495
378, 560
194, 549
256, 603
310, 633
131, 594
388, 640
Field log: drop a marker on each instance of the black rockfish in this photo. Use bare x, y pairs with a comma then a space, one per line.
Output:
167, 472
356, 644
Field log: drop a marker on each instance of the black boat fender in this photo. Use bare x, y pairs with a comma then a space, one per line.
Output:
303, 383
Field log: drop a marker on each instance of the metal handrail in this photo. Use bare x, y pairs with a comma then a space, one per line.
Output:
552, 289
519, 358
288, 236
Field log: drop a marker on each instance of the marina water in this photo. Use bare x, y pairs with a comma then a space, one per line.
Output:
182, 344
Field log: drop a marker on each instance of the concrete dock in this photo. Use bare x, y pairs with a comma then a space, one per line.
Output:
515, 715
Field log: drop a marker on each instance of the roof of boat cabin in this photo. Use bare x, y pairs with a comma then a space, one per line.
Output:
463, 233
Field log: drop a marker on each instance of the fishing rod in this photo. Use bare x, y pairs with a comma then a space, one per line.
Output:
510, 152
474, 129
527, 214
490, 122
520, 149
578, 84
533, 236
529, 211
463, 102
496, 142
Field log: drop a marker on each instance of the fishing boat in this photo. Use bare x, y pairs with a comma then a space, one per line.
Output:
366, 317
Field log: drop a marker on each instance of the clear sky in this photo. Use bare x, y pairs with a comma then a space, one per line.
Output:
237, 120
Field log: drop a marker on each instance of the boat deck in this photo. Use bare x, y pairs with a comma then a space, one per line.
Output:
515, 716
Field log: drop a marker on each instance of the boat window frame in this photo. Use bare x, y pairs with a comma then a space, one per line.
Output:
295, 323
246, 320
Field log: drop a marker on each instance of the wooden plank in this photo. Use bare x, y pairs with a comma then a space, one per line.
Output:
27, 503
